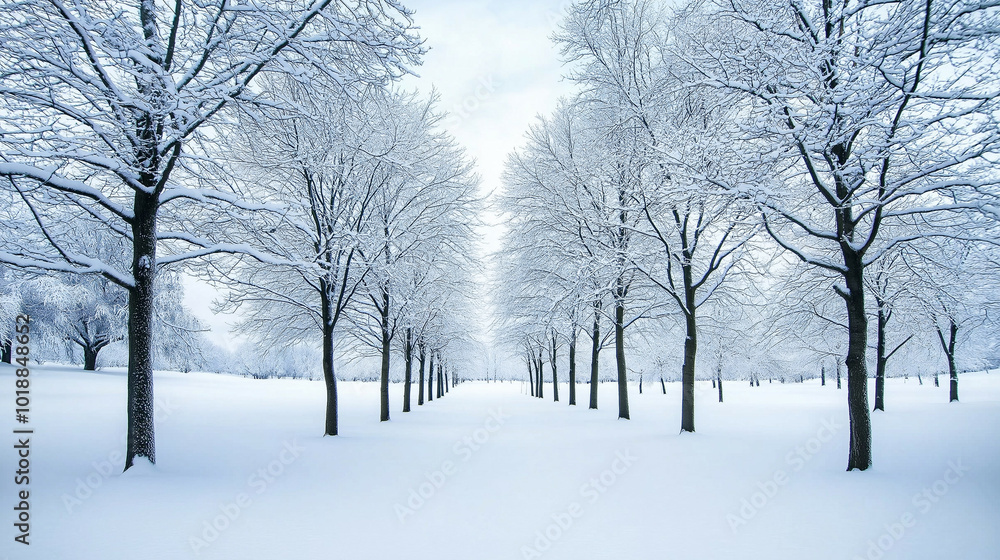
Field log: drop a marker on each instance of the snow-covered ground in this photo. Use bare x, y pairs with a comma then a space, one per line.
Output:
490, 473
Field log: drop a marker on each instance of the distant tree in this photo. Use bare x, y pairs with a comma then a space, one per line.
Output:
953, 282
422, 209
572, 234
318, 158
10, 304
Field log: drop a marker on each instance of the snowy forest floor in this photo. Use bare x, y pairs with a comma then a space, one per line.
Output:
490, 473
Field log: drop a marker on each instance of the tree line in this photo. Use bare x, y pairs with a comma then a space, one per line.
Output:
267, 149
778, 181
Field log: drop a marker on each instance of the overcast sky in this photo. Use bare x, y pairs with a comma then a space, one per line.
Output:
495, 68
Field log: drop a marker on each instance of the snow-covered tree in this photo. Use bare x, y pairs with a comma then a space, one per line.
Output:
876, 114
570, 201
422, 211
104, 103
953, 283
697, 229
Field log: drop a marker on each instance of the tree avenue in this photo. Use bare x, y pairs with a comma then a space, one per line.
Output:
755, 191
854, 137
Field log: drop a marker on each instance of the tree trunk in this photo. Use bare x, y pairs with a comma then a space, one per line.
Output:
718, 376
880, 358
572, 368
141, 434
540, 393
446, 389
857, 369
329, 376
5, 351
531, 374
408, 372
620, 360
937, 381
822, 376
687, 371
430, 379
440, 376
663, 385
595, 354
89, 358
384, 386
949, 350
555, 373
422, 356
838, 373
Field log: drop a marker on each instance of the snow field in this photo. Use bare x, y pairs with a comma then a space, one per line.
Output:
490, 473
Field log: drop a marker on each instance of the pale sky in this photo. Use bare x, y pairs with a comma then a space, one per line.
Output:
495, 68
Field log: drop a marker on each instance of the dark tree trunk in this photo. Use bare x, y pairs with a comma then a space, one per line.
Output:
937, 381
838, 374
446, 389
531, 374
572, 367
718, 376
440, 376
690, 353
713, 383
422, 356
386, 342
857, 368
539, 377
430, 379
141, 434
620, 359
663, 385
408, 372
555, 373
757, 379
822, 376
949, 349
5, 351
880, 357
595, 354
90, 357
329, 376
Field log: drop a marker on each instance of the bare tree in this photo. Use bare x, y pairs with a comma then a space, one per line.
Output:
103, 101
875, 114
